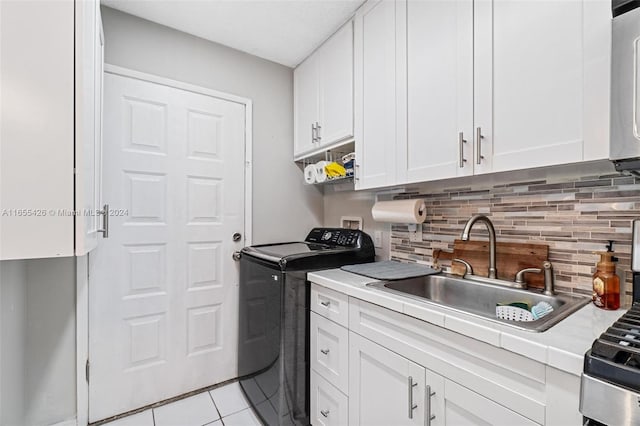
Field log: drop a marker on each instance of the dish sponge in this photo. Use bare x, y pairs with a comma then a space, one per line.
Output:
541, 309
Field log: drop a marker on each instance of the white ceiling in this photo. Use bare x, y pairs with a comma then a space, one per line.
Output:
283, 31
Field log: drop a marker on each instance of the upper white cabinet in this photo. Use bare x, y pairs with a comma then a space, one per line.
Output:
376, 93
541, 79
88, 109
323, 95
306, 106
47, 131
462, 87
439, 69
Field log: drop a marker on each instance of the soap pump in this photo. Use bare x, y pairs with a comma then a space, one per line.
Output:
606, 284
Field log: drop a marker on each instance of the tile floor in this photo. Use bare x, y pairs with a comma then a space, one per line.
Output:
224, 406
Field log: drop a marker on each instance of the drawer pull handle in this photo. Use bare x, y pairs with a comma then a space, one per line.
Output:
325, 351
325, 304
428, 396
479, 137
461, 142
325, 413
412, 406
105, 221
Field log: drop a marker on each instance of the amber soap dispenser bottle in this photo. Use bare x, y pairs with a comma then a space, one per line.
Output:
606, 284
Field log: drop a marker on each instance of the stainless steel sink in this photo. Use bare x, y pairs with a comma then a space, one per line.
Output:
480, 299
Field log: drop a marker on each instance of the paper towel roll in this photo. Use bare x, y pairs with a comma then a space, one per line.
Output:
400, 211
310, 173
321, 173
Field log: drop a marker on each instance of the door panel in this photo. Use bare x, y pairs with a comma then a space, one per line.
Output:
336, 86
529, 83
88, 146
163, 287
439, 89
379, 389
465, 407
375, 94
305, 92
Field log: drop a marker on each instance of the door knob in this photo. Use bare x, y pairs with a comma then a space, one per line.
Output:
237, 236
236, 255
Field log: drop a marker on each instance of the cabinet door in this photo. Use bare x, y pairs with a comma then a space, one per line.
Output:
36, 129
380, 386
375, 94
464, 407
531, 88
305, 105
336, 87
439, 89
89, 72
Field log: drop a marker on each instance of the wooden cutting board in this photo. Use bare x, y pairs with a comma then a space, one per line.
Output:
510, 258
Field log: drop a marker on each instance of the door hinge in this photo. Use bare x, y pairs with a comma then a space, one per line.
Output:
86, 370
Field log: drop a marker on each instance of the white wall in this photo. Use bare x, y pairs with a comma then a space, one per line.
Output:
359, 204
13, 289
50, 354
283, 208
37, 341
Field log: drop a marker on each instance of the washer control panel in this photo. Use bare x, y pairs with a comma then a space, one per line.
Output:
335, 236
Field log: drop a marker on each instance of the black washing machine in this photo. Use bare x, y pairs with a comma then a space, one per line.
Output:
273, 344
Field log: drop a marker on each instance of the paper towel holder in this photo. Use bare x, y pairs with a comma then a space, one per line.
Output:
415, 232
415, 229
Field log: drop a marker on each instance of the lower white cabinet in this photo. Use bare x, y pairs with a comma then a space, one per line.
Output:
404, 371
329, 406
385, 388
388, 389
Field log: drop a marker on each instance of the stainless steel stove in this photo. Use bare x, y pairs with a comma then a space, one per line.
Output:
610, 390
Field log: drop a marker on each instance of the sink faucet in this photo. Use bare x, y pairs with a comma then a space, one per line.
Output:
492, 240
549, 279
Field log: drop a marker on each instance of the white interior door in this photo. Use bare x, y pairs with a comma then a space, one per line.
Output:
163, 286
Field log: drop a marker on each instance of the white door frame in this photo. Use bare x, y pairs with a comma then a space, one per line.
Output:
82, 300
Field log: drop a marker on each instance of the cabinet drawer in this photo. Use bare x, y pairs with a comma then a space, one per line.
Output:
330, 304
329, 406
330, 351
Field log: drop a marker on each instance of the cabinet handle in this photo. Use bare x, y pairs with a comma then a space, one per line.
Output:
325, 413
313, 133
326, 304
412, 406
318, 136
105, 221
461, 142
479, 138
325, 351
356, 172
427, 405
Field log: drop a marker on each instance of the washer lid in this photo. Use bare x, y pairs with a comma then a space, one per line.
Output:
288, 249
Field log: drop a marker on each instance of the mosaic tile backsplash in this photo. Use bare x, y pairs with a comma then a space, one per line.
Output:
575, 218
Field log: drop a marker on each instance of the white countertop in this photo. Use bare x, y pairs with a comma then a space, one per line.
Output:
562, 346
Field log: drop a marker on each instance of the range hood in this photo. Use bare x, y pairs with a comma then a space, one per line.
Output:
624, 148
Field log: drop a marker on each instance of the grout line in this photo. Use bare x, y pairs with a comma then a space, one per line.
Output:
216, 407
153, 416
